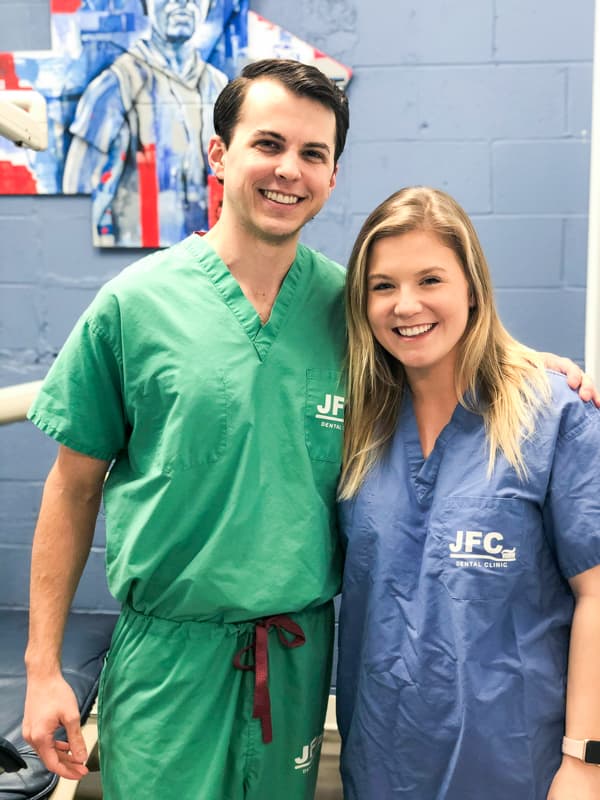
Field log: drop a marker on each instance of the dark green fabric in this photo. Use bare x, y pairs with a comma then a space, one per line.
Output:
226, 434
175, 716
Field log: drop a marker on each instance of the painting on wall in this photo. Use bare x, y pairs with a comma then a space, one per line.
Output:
130, 87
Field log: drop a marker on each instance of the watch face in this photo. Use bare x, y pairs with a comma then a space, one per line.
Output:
592, 752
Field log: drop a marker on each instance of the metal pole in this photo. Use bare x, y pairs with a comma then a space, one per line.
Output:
15, 400
592, 313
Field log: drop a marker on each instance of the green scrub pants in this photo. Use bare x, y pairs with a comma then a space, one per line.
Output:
176, 716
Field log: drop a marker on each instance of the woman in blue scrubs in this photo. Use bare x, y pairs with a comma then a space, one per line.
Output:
470, 512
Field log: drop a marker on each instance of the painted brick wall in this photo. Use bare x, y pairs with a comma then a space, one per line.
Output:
488, 99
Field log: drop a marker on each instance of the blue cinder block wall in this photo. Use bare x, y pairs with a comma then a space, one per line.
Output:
488, 99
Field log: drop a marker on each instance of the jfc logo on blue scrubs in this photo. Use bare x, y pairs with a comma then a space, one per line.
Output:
475, 548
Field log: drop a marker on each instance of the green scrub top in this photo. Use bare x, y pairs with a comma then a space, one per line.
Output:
226, 434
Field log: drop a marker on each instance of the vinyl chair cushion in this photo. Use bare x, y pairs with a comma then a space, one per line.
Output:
87, 637
10, 760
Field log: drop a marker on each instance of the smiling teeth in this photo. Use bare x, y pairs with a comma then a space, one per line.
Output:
278, 197
415, 331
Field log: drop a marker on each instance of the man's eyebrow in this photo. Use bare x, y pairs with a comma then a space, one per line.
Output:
318, 146
273, 134
280, 138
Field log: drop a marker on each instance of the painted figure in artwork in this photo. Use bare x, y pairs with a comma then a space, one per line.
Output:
140, 134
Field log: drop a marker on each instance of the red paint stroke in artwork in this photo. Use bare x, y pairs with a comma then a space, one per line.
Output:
64, 6
16, 179
8, 74
320, 54
148, 181
215, 199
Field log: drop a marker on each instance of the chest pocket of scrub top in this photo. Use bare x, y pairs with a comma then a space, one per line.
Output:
485, 546
324, 414
182, 421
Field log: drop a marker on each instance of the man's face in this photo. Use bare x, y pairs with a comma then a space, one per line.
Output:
176, 20
278, 170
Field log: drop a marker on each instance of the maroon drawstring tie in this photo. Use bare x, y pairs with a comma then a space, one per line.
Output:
260, 645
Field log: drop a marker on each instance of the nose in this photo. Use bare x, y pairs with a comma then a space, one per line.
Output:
288, 167
406, 303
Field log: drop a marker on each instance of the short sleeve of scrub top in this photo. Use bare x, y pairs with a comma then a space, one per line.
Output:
82, 399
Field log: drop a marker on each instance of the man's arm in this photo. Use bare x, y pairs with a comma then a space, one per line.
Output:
575, 779
61, 545
576, 377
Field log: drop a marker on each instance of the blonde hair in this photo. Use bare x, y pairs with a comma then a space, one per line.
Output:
496, 376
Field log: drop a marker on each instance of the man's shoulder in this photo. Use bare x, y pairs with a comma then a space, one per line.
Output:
148, 273
324, 268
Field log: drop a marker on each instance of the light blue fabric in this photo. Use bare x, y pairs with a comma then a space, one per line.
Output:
456, 610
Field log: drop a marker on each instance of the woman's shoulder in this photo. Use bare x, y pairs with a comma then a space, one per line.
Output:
567, 408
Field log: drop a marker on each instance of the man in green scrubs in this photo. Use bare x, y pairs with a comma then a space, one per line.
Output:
207, 377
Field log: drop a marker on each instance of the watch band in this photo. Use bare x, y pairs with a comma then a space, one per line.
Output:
587, 750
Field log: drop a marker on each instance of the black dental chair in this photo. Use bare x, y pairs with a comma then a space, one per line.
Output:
22, 775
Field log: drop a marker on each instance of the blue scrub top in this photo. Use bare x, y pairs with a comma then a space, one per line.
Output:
456, 609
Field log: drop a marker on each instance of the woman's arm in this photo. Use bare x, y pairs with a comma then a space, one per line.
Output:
576, 780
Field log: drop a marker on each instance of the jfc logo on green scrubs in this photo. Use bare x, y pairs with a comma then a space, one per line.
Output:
324, 414
331, 412
308, 755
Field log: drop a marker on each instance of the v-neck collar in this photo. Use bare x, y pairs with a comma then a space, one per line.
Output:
424, 471
260, 336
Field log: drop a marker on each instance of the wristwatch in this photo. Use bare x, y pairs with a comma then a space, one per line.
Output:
587, 750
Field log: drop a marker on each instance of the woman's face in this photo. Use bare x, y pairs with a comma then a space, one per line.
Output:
418, 302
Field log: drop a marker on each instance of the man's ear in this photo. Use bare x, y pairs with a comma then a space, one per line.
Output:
216, 154
333, 178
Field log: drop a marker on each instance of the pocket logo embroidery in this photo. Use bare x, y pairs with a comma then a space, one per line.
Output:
331, 412
478, 549
324, 415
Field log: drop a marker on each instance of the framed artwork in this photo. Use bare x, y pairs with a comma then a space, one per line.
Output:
130, 87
